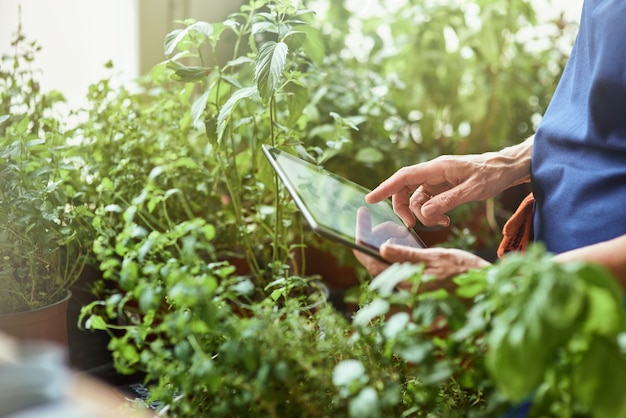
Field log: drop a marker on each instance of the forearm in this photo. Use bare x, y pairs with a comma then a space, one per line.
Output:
516, 162
610, 254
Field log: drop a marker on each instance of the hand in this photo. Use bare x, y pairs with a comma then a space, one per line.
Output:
429, 190
443, 264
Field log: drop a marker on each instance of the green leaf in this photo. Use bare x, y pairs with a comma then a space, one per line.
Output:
377, 308
348, 371
313, 44
95, 322
226, 111
387, 281
263, 27
366, 404
471, 284
521, 349
415, 352
113, 208
209, 232
604, 317
188, 74
106, 184
295, 39
369, 155
173, 38
599, 379
269, 67
396, 324
197, 109
351, 122
238, 61
297, 99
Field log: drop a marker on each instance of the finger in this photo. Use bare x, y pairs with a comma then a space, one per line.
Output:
433, 211
401, 207
371, 264
394, 253
468, 191
405, 180
418, 199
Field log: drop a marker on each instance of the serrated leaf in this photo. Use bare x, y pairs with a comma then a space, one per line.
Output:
270, 63
226, 111
188, 73
197, 109
263, 27
173, 38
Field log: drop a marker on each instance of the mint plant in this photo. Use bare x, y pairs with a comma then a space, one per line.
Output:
257, 96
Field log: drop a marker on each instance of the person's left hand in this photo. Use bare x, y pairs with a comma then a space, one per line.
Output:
443, 264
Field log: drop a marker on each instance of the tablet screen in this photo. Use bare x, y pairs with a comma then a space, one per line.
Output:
335, 207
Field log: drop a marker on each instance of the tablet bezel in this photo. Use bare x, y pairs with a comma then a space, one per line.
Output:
321, 229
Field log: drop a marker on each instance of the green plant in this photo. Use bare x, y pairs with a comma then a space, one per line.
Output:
208, 344
257, 96
554, 333
42, 245
406, 82
540, 332
173, 311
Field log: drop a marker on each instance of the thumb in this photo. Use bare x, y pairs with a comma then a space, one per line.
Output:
395, 253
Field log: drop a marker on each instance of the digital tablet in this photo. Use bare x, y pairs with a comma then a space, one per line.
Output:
335, 207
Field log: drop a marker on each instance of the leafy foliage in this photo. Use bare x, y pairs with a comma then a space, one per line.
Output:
546, 325
42, 250
536, 330
258, 96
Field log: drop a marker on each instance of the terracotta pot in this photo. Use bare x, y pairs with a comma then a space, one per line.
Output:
48, 323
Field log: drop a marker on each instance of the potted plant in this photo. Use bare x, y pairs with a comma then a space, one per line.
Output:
42, 243
177, 314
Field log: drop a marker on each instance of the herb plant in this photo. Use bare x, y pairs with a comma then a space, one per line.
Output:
256, 97
42, 250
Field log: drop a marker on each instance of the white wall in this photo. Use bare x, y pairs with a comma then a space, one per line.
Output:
77, 37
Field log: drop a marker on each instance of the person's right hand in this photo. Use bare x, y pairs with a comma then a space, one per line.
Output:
429, 190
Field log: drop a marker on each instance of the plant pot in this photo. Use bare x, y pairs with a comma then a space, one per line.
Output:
48, 323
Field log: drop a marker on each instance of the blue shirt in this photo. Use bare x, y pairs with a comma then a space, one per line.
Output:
579, 155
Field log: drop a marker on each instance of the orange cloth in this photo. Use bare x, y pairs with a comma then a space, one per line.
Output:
518, 230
